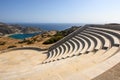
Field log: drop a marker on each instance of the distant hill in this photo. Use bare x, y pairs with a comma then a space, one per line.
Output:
11, 29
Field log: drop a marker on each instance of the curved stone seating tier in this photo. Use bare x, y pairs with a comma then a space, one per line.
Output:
64, 47
91, 37
85, 38
107, 41
49, 55
57, 54
52, 54
113, 27
66, 51
95, 39
113, 33
59, 50
92, 44
76, 43
69, 44
76, 46
56, 57
83, 43
69, 50
72, 46
80, 46
114, 36
97, 36
74, 49
108, 37
86, 45
55, 51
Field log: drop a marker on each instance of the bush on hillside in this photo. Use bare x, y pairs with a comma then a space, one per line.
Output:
53, 39
13, 46
30, 41
60, 34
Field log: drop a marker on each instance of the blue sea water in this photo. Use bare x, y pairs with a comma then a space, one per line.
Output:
51, 26
22, 36
43, 26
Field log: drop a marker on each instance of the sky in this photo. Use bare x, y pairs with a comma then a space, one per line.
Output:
60, 11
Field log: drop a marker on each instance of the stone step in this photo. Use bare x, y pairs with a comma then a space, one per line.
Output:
86, 45
106, 40
92, 44
95, 39
114, 34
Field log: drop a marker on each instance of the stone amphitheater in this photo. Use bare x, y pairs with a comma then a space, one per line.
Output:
89, 53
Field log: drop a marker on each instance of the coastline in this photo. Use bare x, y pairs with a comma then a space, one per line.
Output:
7, 35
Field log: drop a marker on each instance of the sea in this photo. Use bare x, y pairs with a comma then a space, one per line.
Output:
43, 26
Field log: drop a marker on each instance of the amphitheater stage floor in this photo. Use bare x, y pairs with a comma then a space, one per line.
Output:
20, 60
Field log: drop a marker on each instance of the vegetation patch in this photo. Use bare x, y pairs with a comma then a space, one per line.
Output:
2, 43
27, 41
53, 39
13, 46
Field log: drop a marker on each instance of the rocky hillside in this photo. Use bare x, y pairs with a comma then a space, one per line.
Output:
11, 29
60, 34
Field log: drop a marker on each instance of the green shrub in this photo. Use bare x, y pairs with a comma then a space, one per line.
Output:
27, 41
53, 39
13, 46
30, 41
